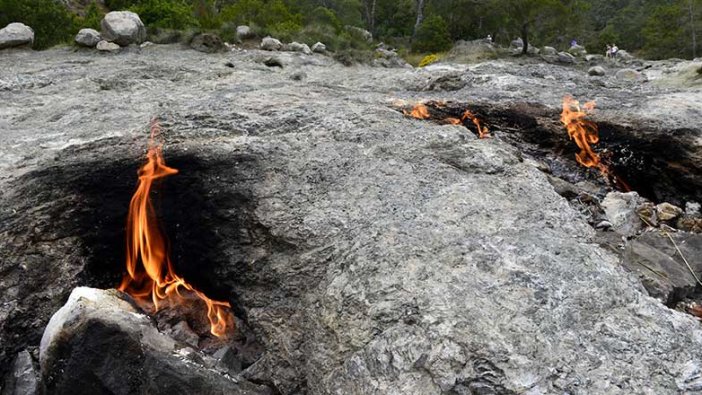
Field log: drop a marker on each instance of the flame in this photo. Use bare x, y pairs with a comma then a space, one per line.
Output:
420, 111
483, 131
155, 278
585, 132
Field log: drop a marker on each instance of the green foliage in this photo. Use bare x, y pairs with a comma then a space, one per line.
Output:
323, 16
206, 14
433, 35
663, 43
50, 20
167, 14
93, 17
429, 59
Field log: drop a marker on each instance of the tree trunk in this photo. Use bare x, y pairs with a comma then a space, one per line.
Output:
692, 28
370, 14
420, 17
525, 38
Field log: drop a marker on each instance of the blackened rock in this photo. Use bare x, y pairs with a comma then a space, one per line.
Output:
99, 343
22, 378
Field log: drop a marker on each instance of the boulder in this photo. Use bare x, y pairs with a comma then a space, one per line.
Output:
271, 44
517, 43
668, 212
594, 58
16, 35
22, 379
629, 75
123, 28
388, 59
359, 32
624, 55
101, 343
298, 47
596, 71
577, 50
107, 46
88, 38
319, 48
565, 57
549, 51
471, 51
621, 211
207, 43
244, 32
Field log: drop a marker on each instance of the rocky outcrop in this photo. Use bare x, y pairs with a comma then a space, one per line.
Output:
88, 38
319, 48
207, 43
16, 35
298, 47
271, 44
99, 342
123, 28
471, 51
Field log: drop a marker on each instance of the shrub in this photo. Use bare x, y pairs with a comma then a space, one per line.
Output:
207, 15
167, 14
51, 21
93, 17
429, 59
432, 36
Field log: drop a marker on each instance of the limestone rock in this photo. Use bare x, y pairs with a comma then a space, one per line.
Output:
22, 378
549, 51
244, 32
620, 209
565, 57
99, 342
107, 46
123, 28
667, 211
629, 75
88, 38
207, 43
596, 71
298, 47
271, 44
16, 35
319, 48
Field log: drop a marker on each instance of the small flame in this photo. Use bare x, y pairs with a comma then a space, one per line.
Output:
585, 132
155, 278
420, 111
483, 131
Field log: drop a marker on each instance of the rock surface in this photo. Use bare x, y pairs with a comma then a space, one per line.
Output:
22, 378
596, 71
319, 48
298, 47
107, 46
207, 43
88, 38
16, 35
621, 211
244, 32
123, 28
369, 252
99, 343
271, 44
565, 57
629, 75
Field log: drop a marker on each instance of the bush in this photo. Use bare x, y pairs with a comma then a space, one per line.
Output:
432, 36
429, 59
93, 17
166, 14
52, 22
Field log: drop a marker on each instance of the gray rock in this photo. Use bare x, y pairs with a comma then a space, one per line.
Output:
183, 333
388, 59
271, 44
319, 48
123, 28
517, 43
228, 360
550, 51
629, 75
577, 50
594, 58
244, 32
471, 51
100, 343
362, 33
596, 71
22, 378
298, 47
692, 209
272, 61
16, 35
88, 38
107, 46
207, 43
624, 55
620, 209
565, 57
298, 76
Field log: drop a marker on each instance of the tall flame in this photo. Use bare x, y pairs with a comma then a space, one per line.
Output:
483, 131
155, 278
421, 111
585, 132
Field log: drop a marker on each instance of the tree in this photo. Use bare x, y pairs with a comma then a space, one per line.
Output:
432, 35
521, 15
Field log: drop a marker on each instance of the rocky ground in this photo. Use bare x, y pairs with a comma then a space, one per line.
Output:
367, 252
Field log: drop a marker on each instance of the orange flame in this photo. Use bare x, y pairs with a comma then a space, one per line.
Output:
585, 132
483, 131
155, 278
420, 111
